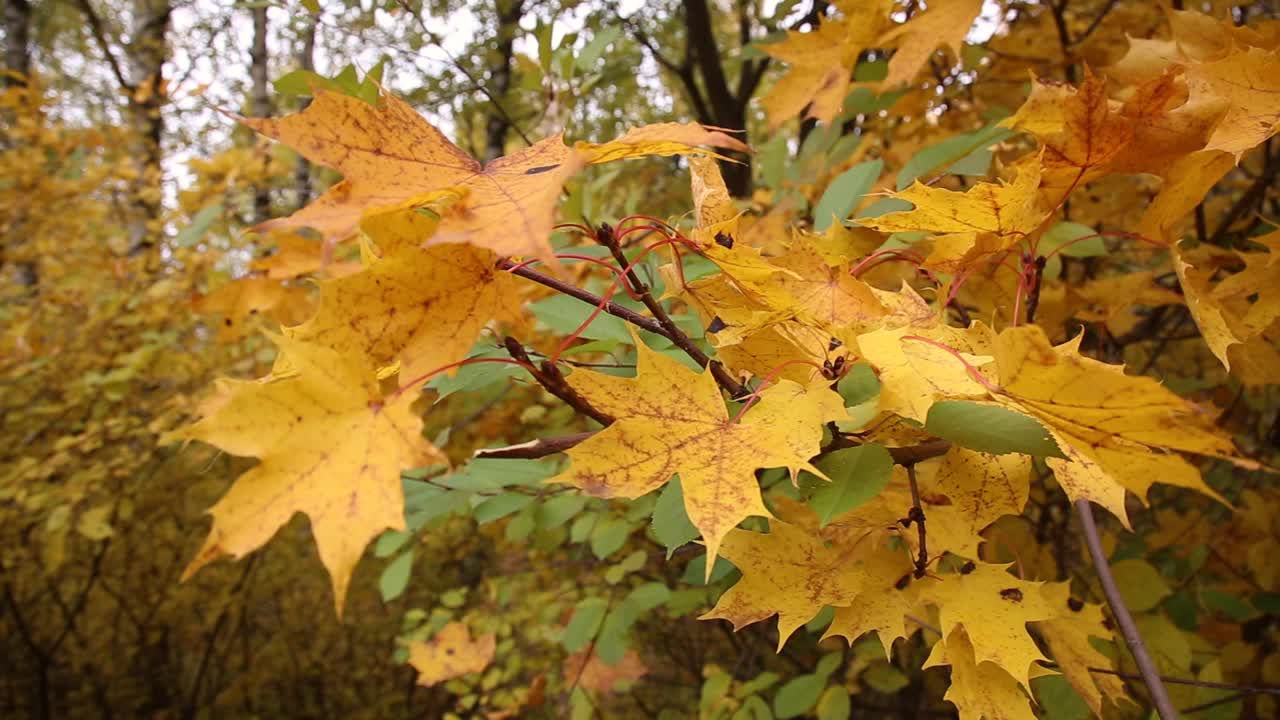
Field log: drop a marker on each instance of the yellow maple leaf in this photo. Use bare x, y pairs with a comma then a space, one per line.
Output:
331, 447
296, 255
1068, 638
451, 653
978, 689
1234, 330
788, 572
1100, 417
1078, 128
982, 487
915, 373
388, 154
881, 603
1189, 179
421, 306
821, 62
672, 420
1248, 82
945, 22
994, 608
1003, 214
241, 301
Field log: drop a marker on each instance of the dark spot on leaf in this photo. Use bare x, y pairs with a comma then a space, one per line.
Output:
540, 169
1075, 605
253, 311
1011, 594
967, 568
724, 240
226, 321
716, 325
835, 343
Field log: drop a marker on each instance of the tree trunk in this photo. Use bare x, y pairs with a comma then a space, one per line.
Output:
260, 101
17, 61
306, 61
724, 107
17, 41
147, 52
498, 123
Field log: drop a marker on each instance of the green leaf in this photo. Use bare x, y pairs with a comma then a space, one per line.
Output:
564, 314
477, 376
395, 576
844, 193
884, 678
671, 523
521, 526
835, 704
773, 161
608, 536
558, 510
753, 708
500, 506
857, 475
1063, 233
1227, 604
1058, 699
858, 385
798, 695
1140, 584
611, 644
884, 206
990, 429
586, 59
1065, 238
828, 663
492, 474
584, 625
194, 233
389, 542
965, 154
303, 82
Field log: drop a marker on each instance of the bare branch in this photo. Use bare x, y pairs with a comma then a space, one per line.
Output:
1132, 638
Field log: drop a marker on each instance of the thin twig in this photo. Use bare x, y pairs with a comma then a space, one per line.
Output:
614, 309
549, 377
100, 37
606, 237
435, 40
534, 449
1132, 638
916, 515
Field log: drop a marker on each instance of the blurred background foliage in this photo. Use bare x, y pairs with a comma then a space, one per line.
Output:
129, 279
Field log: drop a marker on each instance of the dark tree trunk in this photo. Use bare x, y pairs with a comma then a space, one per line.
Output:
498, 123
17, 41
17, 63
260, 100
724, 108
306, 61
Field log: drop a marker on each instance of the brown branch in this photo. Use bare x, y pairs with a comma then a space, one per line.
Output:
605, 237
916, 515
1097, 20
631, 316
100, 37
550, 377
1146, 667
534, 449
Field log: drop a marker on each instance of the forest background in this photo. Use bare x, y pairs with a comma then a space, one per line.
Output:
134, 271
